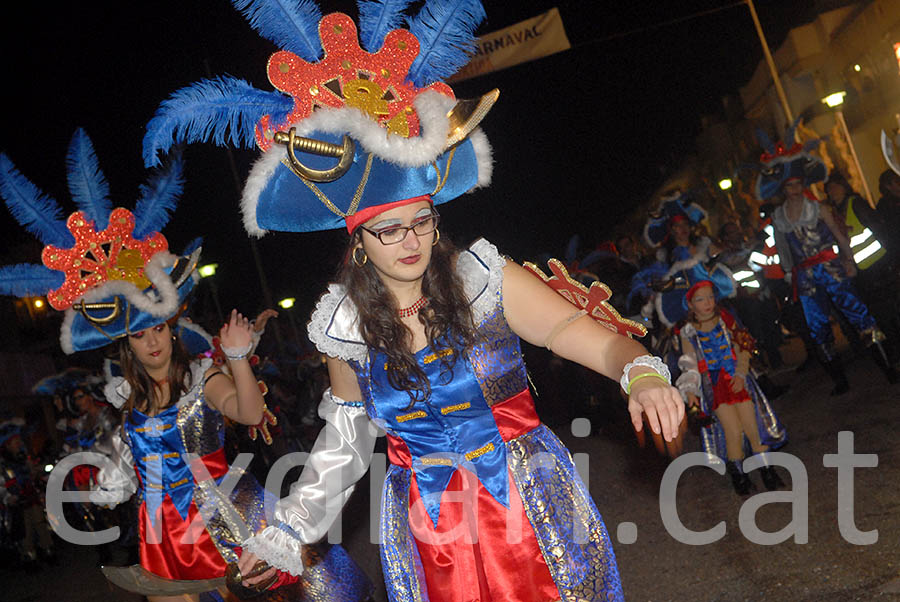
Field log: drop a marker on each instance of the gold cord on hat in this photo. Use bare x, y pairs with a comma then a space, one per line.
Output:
357, 196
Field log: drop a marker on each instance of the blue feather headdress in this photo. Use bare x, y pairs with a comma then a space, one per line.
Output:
373, 103
108, 269
783, 161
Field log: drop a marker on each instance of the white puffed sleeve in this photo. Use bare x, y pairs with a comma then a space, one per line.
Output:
339, 458
116, 481
689, 380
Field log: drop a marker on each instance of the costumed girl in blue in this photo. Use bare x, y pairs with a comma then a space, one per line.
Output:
111, 272
716, 376
805, 237
481, 501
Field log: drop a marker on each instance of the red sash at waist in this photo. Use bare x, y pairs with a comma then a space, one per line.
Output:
821, 257
514, 416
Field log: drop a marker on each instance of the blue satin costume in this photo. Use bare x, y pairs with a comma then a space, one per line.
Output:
824, 283
171, 496
715, 349
479, 423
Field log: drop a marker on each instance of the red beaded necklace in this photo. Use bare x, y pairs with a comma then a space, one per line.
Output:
414, 308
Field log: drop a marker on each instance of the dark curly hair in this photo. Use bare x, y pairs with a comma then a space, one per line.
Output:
447, 317
143, 386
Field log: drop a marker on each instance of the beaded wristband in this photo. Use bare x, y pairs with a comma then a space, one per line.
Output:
642, 375
655, 363
237, 353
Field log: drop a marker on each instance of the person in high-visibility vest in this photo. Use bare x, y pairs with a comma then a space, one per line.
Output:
875, 280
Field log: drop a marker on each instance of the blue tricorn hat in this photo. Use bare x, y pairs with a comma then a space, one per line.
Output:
108, 269
780, 163
674, 207
360, 122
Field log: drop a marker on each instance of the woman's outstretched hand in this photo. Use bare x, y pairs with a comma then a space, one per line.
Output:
661, 403
235, 334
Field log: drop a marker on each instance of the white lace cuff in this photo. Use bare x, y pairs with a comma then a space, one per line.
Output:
650, 361
278, 547
689, 381
109, 498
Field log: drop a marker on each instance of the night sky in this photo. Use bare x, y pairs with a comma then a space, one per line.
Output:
579, 138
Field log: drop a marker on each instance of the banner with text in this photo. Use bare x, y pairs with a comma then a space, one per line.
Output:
525, 41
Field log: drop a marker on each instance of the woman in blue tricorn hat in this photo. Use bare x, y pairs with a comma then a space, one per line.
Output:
110, 271
481, 501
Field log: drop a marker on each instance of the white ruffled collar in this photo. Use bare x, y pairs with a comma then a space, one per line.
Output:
809, 215
334, 326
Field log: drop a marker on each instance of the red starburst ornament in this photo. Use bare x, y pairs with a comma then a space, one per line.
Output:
98, 257
349, 76
781, 151
594, 300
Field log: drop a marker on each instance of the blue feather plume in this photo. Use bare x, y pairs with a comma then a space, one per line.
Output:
88, 186
377, 18
790, 134
291, 24
765, 141
29, 280
36, 212
446, 33
159, 196
193, 246
223, 109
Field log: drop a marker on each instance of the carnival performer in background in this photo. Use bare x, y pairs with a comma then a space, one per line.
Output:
86, 423
422, 339
716, 377
805, 236
682, 257
22, 493
111, 272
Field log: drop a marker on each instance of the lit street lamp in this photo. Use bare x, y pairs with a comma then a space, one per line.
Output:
725, 186
834, 101
206, 272
287, 304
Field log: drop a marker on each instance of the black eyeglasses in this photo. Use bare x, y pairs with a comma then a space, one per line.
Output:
396, 234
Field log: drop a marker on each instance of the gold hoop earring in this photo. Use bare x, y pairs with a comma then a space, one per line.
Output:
356, 259
437, 237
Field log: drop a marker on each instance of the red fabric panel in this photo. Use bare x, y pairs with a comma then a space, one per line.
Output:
162, 550
515, 416
470, 557
723, 393
176, 548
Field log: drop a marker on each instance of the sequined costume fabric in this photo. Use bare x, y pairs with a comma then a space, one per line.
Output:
481, 501
716, 362
189, 527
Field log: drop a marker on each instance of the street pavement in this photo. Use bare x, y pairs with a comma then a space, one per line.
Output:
654, 566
